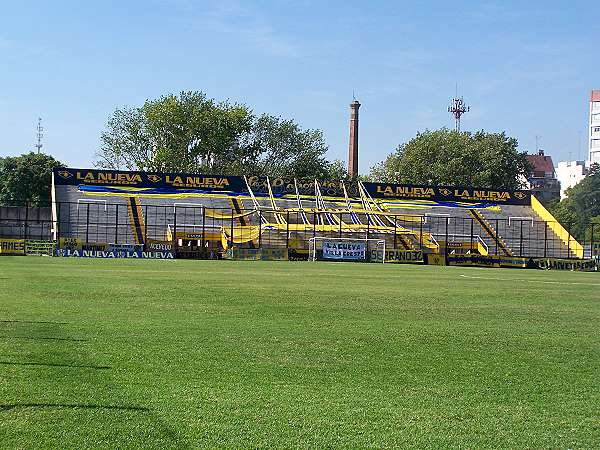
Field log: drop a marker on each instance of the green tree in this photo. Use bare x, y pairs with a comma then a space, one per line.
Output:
337, 170
26, 179
446, 157
182, 133
192, 133
581, 207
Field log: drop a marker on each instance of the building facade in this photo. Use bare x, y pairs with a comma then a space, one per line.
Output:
569, 173
542, 179
594, 131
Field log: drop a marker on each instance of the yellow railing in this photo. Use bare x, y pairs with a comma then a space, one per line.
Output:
556, 227
481, 248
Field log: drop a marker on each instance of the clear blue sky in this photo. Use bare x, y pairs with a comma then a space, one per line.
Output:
525, 67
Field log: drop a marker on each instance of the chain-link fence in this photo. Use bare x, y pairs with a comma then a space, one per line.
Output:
194, 228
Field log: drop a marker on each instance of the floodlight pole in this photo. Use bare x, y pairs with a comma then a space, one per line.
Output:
287, 230
175, 241
117, 224
569, 241
592, 242
497, 236
231, 232
203, 228
259, 229
146, 223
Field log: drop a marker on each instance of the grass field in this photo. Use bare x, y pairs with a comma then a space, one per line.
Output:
185, 354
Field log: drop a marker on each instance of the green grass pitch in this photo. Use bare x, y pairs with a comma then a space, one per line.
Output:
187, 354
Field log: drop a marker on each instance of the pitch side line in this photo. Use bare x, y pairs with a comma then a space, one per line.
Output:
529, 281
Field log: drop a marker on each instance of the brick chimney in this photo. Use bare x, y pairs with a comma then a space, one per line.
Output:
353, 146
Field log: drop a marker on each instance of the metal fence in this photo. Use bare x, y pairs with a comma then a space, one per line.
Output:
195, 226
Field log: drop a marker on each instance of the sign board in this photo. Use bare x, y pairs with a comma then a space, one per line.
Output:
113, 254
447, 193
397, 255
435, 259
584, 265
12, 246
340, 250
158, 183
153, 245
70, 243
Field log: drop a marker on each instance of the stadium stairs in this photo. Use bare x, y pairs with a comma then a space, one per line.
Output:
527, 234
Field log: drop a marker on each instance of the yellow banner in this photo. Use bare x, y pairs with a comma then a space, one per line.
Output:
12, 246
70, 243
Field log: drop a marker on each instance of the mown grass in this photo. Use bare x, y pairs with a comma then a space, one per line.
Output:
186, 354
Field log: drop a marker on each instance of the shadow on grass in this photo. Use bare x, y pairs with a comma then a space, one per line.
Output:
165, 430
74, 366
33, 321
43, 338
9, 406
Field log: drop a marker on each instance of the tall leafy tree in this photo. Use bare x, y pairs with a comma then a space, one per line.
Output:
581, 207
448, 157
188, 132
26, 179
192, 133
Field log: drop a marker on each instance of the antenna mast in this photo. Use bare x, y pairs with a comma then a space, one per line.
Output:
458, 107
40, 135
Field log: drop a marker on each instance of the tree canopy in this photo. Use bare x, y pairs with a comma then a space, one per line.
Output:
446, 157
192, 133
26, 179
581, 206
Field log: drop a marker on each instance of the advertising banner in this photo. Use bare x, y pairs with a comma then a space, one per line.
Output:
97, 246
125, 247
106, 181
588, 265
447, 193
435, 259
487, 261
164, 182
70, 243
584, 265
154, 245
93, 177
472, 260
513, 261
12, 246
349, 251
397, 255
61, 252
39, 248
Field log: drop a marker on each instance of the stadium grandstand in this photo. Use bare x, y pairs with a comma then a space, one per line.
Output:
248, 217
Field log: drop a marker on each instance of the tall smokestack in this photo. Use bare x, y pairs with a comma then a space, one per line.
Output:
353, 146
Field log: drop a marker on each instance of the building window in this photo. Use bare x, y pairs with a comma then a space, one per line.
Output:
595, 106
595, 143
596, 130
